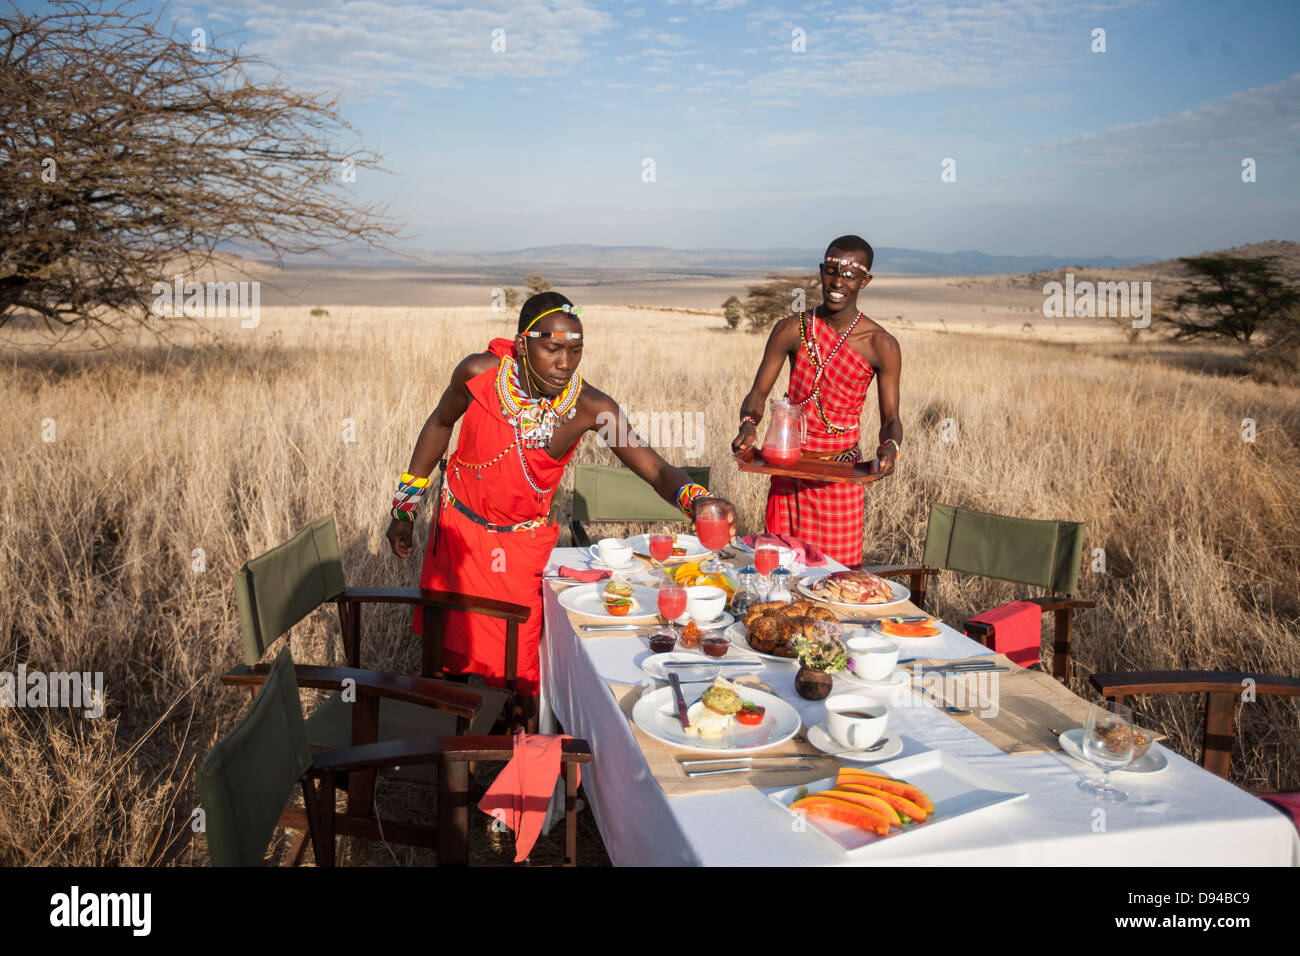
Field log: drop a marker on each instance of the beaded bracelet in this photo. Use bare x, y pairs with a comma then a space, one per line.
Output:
890, 441
751, 419
686, 495
407, 499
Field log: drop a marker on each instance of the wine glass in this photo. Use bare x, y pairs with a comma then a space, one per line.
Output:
766, 558
714, 531
1108, 744
661, 549
672, 603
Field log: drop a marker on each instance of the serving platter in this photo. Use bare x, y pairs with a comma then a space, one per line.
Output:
898, 593
956, 788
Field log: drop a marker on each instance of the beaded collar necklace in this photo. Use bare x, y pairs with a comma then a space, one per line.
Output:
808, 338
534, 419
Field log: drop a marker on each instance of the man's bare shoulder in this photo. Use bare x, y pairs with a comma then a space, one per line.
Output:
875, 343
475, 364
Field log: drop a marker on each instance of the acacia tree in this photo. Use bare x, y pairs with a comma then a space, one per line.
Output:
127, 151
1233, 298
779, 297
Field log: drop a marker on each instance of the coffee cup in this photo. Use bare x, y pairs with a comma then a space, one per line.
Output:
872, 658
855, 721
614, 552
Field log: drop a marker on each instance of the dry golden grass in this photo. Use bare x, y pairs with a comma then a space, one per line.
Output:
231, 446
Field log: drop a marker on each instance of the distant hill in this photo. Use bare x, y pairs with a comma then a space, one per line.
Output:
660, 259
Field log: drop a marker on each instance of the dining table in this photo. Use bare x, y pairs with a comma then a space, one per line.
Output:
1180, 816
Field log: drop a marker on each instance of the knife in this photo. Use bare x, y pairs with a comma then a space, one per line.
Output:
614, 627
963, 670
711, 664
681, 701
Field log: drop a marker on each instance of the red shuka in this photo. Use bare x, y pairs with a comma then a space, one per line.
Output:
473, 560
826, 514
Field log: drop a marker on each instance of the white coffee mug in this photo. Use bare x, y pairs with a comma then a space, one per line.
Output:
848, 727
614, 552
873, 658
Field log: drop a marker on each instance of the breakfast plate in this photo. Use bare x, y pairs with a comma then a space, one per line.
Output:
736, 633
654, 666
821, 738
641, 546
656, 714
586, 599
955, 787
1153, 761
898, 593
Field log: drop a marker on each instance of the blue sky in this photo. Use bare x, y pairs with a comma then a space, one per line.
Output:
1059, 150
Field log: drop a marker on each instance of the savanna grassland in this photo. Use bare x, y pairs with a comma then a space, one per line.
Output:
170, 465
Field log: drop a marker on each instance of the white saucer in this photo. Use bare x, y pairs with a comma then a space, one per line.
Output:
820, 738
594, 554
722, 621
893, 680
1153, 761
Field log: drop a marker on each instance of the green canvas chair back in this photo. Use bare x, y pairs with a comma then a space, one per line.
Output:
1024, 550
249, 776
602, 493
278, 589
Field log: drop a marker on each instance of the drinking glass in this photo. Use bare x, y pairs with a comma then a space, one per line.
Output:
1107, 744
672, 603
661, 549
766, 558
714, 532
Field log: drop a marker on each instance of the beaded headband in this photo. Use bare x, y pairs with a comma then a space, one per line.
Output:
573, 310
846, 266
565, 336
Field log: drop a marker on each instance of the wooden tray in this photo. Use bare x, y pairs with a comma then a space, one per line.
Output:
813, 469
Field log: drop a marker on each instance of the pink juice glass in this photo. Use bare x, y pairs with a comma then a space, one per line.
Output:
672, 604
661, 547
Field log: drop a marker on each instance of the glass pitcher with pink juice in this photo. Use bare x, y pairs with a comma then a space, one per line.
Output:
786, 432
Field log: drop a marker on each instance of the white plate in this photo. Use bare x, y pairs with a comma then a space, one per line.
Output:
877, 631
641, 545
594, 554
953, 786
656, 714
898, 595
736, 634
586, 599
821, 738
721, 621
1153, 761
654, 666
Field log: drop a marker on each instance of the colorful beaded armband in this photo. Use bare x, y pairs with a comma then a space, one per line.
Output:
407, 499
686, 495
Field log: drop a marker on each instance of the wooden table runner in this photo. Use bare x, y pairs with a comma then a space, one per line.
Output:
663, 759
1019, 714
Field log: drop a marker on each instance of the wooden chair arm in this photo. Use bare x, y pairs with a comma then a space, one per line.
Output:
425, 750
412, 690
426, 597
900, 570
1120, 683
580, 536
1052, 603
980, 631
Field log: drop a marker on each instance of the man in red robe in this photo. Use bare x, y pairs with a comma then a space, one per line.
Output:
834, 352
524, 409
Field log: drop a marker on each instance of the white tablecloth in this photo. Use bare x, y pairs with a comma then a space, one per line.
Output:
1183, 816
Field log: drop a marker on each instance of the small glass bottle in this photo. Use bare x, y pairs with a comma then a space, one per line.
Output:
780, 590
745, 595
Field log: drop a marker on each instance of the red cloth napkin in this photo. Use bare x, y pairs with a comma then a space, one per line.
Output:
807, 554
521, 793
1018, 629
1288, 803
581, 574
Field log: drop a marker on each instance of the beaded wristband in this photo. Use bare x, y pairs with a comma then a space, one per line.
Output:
751, 419
687, 494
407, 499
889, 441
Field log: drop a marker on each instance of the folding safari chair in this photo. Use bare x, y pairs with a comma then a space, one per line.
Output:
278, 589
248, 778
603, 493
1041, 553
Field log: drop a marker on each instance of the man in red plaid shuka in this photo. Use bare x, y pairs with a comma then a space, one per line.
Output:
834, 352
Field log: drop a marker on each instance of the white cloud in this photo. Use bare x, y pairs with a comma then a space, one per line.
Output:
1265, 119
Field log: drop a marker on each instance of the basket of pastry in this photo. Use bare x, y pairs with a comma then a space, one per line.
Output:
773, 626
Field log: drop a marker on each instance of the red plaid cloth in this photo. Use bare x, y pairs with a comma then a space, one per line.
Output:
825, 514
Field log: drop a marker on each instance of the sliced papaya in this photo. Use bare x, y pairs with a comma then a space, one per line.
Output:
874, 802
832, 808
908, 630
888, 784
899, 804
